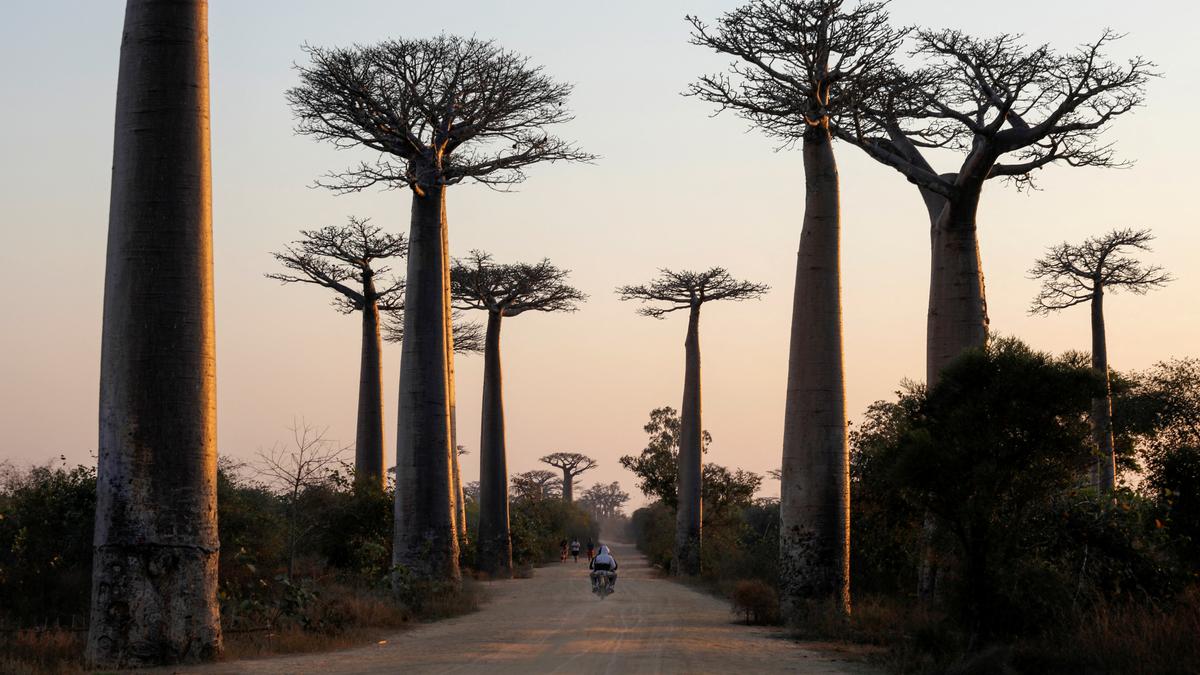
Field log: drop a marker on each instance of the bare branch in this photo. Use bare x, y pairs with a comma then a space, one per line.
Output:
1072, 275
477, 282
672, 291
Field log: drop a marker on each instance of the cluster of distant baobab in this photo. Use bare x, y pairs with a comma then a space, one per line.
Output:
439, 111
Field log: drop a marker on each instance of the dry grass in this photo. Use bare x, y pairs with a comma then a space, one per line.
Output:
50, 651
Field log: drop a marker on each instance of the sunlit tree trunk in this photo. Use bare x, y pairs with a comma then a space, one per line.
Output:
154, 586
689, 514
568, 487
368, 444
426, 540
495, 544
1102, 434
815, 499
456, 491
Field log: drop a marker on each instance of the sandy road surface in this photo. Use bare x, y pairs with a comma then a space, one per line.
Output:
553, 624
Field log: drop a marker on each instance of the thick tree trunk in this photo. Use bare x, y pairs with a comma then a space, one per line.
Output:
368, 443
425, 541
815, 508
957, 319
458, 507
154, 583
689, 515
568, 489
495, 545
1102, 433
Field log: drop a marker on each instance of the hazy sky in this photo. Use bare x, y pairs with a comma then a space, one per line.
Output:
674, 187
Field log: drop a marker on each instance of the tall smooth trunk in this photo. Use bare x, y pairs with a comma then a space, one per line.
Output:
815, 500
568, 487
458, 506
425, 540
368, 442
957, 318
689, 515
1102, 433
495, 544
154, 575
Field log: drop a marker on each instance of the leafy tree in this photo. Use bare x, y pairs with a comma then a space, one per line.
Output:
656, 467
604, 501
1072, 275
1002, 433
434, 113
572, 464
672, 291
537, 484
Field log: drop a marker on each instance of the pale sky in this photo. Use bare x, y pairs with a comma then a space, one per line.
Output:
674, 187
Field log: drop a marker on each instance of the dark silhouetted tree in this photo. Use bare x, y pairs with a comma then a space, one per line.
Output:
799, 64
604, 501
537, 485
154, 574
571, 464
1072, 275
502, 291
344, 259
435, 112
687, 290
1010, 110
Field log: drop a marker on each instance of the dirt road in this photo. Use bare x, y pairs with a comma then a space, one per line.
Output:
553, 624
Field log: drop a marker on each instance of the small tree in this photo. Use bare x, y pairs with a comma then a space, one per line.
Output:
343, 259
657, 466
669, 292
434, 113
537, 485
502, 291
291, 469
571, 464
1072, 275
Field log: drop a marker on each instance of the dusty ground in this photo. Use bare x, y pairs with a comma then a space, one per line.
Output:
553, 624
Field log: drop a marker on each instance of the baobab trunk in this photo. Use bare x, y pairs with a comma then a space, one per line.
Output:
425, 540
368, 444
689, 515
154, 583
815, 501
495, 544
568, 489
458, 507
957, 319
1102, 435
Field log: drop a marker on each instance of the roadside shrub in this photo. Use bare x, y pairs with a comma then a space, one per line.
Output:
757, 601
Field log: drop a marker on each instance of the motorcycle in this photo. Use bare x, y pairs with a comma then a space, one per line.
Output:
603, 582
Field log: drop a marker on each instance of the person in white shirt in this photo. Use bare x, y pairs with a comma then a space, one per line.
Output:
604, 561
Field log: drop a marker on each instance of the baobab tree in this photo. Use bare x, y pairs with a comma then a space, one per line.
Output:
572, 464
467, 339
503, 291
1010, 110
686, 290
344, 259
1072, 275
799, 64
154, 574
537, 485
604, 501
434, 112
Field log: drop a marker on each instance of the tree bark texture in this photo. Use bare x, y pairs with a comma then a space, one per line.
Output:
426, 539
957, 319
689, 515
368, 443
815, 501
495, 545
1102, 434
458, 506
154, 584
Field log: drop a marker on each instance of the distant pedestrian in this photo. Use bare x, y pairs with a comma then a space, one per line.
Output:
562, 551
591, 551
575, 549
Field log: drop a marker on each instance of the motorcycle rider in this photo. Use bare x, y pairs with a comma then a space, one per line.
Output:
604, 561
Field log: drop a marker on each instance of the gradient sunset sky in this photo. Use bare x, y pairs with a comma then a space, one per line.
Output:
674, 187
